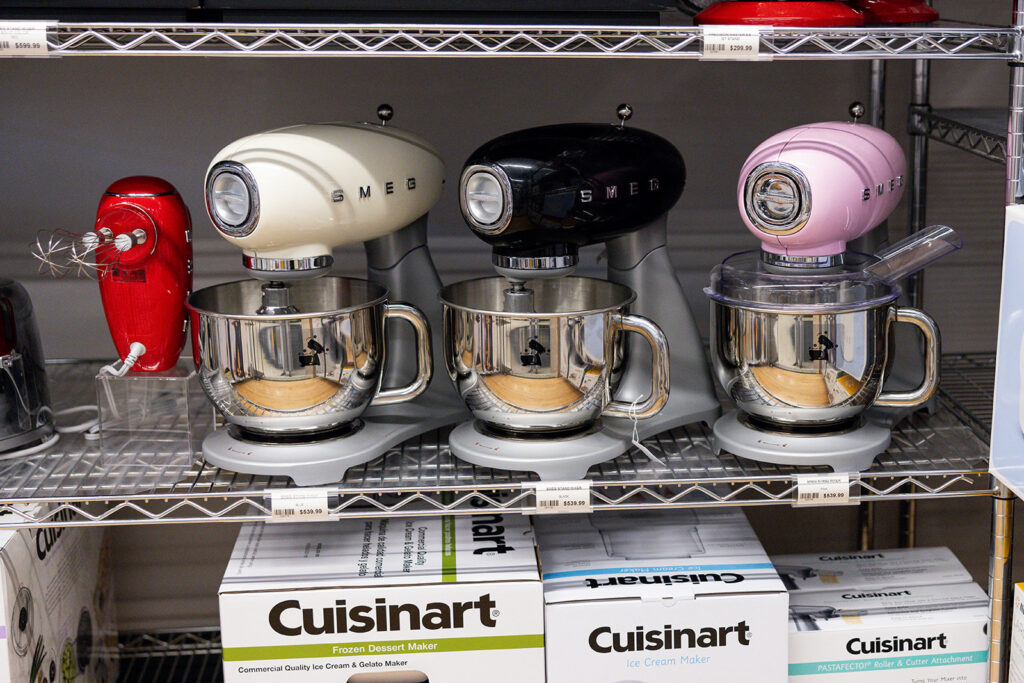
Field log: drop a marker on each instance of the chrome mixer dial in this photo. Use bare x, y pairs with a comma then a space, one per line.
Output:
778, 198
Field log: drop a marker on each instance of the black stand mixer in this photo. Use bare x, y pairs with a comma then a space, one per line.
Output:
537, 196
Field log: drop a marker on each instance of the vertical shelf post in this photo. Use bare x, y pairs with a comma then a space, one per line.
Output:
1000, 585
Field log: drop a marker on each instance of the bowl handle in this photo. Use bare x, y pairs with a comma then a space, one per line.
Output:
653, 404
424, 357
932, 350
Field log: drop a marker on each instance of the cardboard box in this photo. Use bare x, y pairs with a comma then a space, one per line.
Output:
58, 606
909, 634
827, 571
661, 596
1017, 636
400, 600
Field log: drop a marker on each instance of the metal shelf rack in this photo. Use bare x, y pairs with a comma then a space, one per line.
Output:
458, 40
941, 454
171, 657
978, 131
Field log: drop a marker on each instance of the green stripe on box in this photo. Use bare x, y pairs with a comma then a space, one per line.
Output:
888, 663
382, 647
448, 574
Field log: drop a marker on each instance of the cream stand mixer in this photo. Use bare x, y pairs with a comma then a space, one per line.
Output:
295, 360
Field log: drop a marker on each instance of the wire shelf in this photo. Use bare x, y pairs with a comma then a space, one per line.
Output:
66, 39
940, 454
171, 657
978, 131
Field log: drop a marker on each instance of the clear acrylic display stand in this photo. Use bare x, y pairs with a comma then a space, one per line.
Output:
155, 412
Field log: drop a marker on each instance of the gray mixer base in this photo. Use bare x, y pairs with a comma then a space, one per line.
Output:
852, 451
564, 459
325, 462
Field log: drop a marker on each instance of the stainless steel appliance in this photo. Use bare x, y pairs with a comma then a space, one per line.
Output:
307, 369
801, 330
27, 418
537, 196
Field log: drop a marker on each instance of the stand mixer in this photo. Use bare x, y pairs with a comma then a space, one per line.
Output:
287, 197
801, 330
537, 196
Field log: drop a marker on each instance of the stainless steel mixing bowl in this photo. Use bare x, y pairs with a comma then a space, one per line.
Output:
312, 369
812, 369
555, 371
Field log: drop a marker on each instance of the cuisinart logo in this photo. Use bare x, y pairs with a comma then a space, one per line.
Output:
895, 644
888, 594
837, 558
290, 618
603, 640
663, 579
489, 530
47, 538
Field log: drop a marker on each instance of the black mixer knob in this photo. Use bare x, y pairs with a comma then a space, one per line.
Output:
857, 110
384, 113
625, 113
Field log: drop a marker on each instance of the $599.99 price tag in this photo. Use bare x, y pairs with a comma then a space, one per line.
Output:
822, 489
23, 39
298, 505
560, 497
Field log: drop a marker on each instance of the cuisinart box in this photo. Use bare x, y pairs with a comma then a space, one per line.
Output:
899, 635
829, 571
399, 600
661, 596
58, 607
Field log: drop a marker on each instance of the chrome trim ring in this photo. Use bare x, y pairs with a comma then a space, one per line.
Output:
249, 224
499, 225
534, 262
287, 264
755, 191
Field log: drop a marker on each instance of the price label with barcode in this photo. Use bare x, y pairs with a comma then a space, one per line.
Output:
23, 39
560, 497
822, 489
298, 505
732, 44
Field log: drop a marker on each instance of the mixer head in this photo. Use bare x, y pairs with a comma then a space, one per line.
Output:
807, 191
288, 196
538, 195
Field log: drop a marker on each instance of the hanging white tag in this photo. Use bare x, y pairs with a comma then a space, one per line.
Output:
822, 489
732, 44
305, 504
23, 38
559, 497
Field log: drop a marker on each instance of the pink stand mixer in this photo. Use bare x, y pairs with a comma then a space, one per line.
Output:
802, 333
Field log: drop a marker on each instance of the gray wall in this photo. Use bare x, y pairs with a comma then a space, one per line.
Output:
71, 126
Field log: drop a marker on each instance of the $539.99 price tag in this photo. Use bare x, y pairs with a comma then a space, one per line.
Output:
732, 44
560, 497
298, 505
822, 489
23, 39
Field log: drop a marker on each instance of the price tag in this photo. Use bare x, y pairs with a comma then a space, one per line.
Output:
559, 497
822, 489
23, 38
298, 505
732, 44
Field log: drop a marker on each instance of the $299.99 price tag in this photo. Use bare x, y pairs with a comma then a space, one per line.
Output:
305, 504
822, 489
732, 44
560, 497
